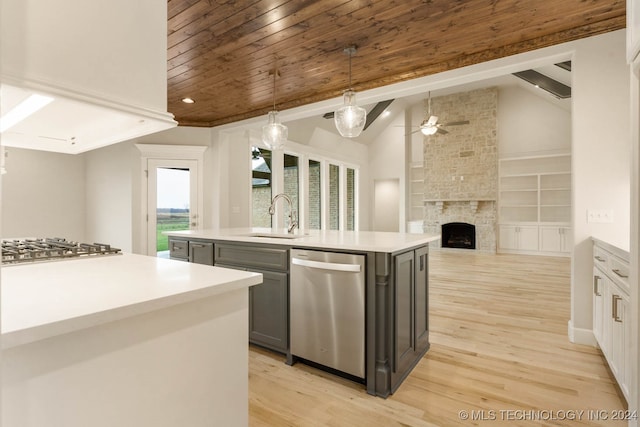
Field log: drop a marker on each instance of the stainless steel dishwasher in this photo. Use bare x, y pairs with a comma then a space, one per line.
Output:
327, 314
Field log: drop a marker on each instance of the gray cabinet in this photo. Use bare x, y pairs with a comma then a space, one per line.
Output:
410, 312
268, 311
268, 301
201, 252
196, 251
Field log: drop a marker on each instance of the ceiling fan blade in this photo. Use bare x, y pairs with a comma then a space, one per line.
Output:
411, 133
461, 122
442, 131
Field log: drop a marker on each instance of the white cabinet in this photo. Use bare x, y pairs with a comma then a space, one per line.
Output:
598, 308
555, 239
535, 198
612, 311
518, 237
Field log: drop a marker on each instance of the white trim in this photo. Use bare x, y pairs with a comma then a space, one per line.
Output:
581, 336
167, 152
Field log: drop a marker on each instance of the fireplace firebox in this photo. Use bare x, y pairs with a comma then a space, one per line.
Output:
459, 235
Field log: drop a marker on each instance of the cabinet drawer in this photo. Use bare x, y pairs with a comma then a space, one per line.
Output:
178, 248
619, 272
600, 257
252, 256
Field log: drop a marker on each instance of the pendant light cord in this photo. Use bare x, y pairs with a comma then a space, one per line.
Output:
350, 56
275, 72
350, 51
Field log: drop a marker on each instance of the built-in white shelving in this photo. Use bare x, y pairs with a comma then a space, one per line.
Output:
535, 191
416, 185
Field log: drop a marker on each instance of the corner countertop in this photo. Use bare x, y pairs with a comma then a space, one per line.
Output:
366, 241
42, 300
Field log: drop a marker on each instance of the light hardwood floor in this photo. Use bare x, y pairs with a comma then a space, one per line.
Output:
498, 332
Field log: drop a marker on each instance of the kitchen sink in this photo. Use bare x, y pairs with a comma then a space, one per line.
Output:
277, 235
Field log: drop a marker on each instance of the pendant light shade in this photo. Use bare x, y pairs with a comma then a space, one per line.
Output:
274, 133
350, 119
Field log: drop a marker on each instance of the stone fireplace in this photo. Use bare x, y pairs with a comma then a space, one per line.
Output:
461, 167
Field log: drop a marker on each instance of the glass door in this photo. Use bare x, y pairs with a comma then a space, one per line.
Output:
172, 201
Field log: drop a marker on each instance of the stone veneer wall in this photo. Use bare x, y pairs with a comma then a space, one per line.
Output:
462, 166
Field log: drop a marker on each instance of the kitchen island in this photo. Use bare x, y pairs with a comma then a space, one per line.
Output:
395, 302
124, 340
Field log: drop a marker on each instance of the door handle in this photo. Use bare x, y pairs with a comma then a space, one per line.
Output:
354, 268
615, 270
614, 308
595, 286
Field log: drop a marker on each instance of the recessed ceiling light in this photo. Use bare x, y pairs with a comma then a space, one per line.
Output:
188, 100
386, 113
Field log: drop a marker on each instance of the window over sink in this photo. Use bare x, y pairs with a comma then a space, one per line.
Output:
323, 191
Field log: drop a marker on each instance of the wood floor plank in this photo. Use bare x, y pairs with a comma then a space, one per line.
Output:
499, 350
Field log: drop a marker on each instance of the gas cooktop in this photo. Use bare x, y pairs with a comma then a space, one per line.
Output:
17, 251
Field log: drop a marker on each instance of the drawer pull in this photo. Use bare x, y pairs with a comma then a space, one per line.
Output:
198, 245
177, 248
615, 270
599, 258
595, 286
614, 308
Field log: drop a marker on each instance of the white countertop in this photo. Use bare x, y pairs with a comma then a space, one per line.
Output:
41, 300
367, 241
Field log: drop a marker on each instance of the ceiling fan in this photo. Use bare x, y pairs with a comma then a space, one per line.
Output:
430, 125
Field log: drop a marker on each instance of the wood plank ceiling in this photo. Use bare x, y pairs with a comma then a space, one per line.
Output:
220, 52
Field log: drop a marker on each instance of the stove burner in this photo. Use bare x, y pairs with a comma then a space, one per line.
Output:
49, 249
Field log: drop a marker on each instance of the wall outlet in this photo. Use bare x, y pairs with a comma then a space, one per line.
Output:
601, 216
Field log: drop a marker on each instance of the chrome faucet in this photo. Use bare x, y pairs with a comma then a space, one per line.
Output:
293, 223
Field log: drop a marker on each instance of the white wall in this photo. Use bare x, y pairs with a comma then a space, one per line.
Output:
387, 160
90, 47
43, 195
528, 123
109, 195
601, 160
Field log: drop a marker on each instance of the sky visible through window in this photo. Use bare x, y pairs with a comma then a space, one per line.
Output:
173, 188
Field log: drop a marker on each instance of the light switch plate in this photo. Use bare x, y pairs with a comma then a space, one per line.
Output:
601, 216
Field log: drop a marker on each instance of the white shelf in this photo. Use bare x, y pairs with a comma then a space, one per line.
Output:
535, 189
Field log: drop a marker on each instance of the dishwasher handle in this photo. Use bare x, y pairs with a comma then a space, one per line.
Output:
351, 268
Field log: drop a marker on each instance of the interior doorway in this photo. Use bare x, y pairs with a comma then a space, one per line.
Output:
386, 202
172, 197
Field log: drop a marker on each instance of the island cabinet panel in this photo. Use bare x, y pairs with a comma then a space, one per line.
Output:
410, 312
404, 343
268, 322
195, 251
422, 299
268, 301
201, 252
178, 248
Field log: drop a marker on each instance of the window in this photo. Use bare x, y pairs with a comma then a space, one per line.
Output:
261, 183
315, 195
292, 183
334, 197
351, 199
323, 192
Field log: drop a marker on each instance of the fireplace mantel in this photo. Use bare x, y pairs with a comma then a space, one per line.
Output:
473, 204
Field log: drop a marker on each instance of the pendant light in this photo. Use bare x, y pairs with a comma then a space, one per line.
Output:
350, 119
274, 134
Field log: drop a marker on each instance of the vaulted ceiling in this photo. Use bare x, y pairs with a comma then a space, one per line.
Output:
221, 52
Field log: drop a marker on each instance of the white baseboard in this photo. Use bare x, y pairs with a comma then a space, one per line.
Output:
581, 336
